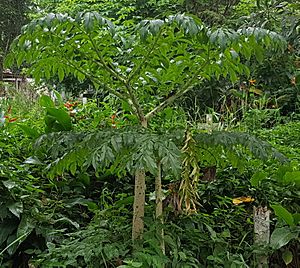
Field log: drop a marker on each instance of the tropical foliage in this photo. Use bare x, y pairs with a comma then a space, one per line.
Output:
189, 132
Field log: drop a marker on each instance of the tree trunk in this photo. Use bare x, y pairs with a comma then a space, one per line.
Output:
261, 219
139, 200
139, 205
159, 207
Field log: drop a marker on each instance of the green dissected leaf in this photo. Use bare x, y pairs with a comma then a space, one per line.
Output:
88, 21
149, 163
15, 208
9, 59
283, 214
259, 54
287, 257
31, 132
20, 58
282, 236
61, 74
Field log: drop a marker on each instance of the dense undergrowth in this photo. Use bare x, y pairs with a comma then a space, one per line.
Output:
82, 218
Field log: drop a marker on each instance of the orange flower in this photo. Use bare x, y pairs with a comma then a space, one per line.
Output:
70, 106
252, 82
12, 120
113, 122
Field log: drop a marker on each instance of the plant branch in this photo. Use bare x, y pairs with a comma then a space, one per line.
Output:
134, 103
142, 63
124, 97
186, 87
97, 81
108, 68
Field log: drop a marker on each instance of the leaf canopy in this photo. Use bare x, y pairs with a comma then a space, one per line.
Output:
138, 64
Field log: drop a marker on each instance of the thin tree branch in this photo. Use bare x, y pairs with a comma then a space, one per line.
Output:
149, 52
134, 101
97, 81
187, 87
123, 96
108, 68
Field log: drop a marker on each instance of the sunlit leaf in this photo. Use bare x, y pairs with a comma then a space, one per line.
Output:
283, 214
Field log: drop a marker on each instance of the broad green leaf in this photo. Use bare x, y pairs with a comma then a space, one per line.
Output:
282, 236
88, 21
15, 208
257, 178
76, 201
46, 101
296, 217
246, 50
7, 227
213, 234
61, 116
283, 214
287, 257
25, 227
9, 60
131, 264
126, 201
9, 184
33, 160
31, 132
11, 240
292, 177
73, 168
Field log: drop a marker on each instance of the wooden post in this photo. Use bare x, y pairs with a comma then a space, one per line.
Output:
261, 219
